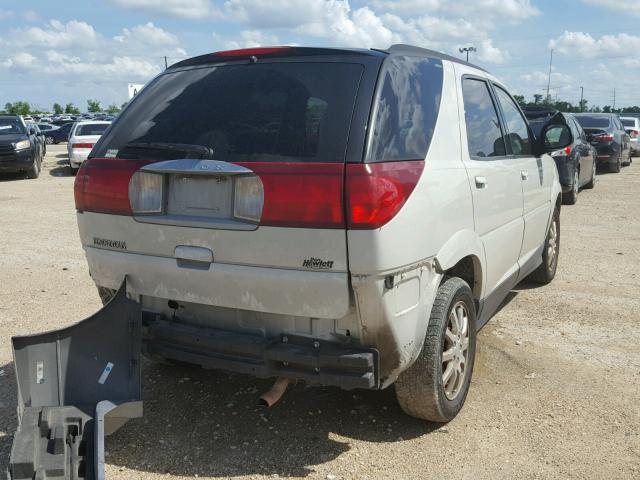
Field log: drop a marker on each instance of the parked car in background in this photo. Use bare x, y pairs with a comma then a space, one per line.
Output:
61, 134
362, 234
19, 147
46, 128
606, 133
632, 126
577, 161
82, 138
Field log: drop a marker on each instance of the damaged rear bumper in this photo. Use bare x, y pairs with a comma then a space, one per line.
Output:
76, 385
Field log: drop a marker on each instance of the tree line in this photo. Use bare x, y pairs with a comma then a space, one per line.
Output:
93, 106
564, 106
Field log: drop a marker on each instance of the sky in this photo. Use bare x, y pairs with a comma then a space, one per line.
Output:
72, 50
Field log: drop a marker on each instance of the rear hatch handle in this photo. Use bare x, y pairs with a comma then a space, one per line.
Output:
76, 385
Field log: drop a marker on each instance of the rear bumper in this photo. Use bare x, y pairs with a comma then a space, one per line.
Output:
607, 153
565, 172
16, 162
77, 156
259, 289
291, 356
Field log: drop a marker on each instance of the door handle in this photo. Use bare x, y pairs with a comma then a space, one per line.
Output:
481, 182
524, 175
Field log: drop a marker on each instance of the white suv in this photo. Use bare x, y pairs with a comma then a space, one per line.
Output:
346, 217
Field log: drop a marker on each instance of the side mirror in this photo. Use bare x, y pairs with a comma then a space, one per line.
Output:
32, 131
555, 137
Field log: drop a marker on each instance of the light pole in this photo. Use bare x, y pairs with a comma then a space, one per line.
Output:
467, 50
581, 97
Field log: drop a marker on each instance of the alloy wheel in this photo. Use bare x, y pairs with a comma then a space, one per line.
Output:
455, 351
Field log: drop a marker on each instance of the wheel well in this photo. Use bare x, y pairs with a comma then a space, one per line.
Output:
469, 270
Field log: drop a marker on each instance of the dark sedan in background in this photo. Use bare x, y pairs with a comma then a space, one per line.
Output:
19, 147
60, 134
577, 162
606, 132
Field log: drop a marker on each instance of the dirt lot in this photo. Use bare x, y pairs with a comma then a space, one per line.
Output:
555, 394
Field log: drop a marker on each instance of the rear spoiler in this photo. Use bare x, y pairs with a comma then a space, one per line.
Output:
76, 385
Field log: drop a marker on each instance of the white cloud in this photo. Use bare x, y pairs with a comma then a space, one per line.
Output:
615, 6
176, 8
249, 38
6, 14
585, 46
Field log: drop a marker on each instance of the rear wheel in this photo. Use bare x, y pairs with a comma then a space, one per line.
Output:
435, 387
572, 196
628, 162
615, 167
48, 140
592, 181
546, 272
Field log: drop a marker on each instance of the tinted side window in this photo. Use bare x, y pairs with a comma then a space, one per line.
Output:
407, 109
518, 136
484, 135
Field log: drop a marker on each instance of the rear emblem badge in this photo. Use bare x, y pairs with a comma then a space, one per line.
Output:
106, 242
317, 264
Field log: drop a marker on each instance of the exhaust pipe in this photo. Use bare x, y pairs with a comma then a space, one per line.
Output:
268, 399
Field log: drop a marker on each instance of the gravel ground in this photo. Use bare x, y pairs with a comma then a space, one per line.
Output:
555, 393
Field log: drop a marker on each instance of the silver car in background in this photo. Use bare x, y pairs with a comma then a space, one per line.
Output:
82, 138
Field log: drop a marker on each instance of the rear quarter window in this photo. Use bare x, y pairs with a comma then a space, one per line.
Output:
406, 109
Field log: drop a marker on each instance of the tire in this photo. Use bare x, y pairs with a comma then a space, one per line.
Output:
628, 162
34, 170
615, 167
572, 196
421, 390
48, 140
592, 181
546, 272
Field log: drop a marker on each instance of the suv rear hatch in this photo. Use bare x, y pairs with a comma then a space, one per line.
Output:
222, 183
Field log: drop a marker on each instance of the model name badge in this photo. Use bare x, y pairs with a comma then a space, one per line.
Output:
105, 242
317, 264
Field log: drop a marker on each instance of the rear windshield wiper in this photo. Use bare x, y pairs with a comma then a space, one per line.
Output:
204, 152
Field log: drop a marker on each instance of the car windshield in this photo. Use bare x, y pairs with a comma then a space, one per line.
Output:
91, 129
11, 126
628, 122
593, 121
271, 112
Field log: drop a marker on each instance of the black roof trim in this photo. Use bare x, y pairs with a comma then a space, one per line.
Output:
208, 58
402, 49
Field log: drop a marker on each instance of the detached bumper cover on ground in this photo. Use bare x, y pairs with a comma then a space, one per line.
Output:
76, 385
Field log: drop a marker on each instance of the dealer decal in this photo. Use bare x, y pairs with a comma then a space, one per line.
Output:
317, 264
105, 242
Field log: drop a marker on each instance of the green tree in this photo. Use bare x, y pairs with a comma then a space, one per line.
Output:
124, 105
582, 106
71, 108
537, 99
113, 108
93, 106
57, 109
520, 99
18, 108
606, 109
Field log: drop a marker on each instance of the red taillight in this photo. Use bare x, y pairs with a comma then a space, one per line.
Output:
604, 137
634, 133
82, 145
305, 195
567, 150
248, 52
376, 192
102, 185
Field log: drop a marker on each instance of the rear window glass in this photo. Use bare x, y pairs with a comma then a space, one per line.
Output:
269, 112
628, 122
90, 129
407, 109
593, 122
